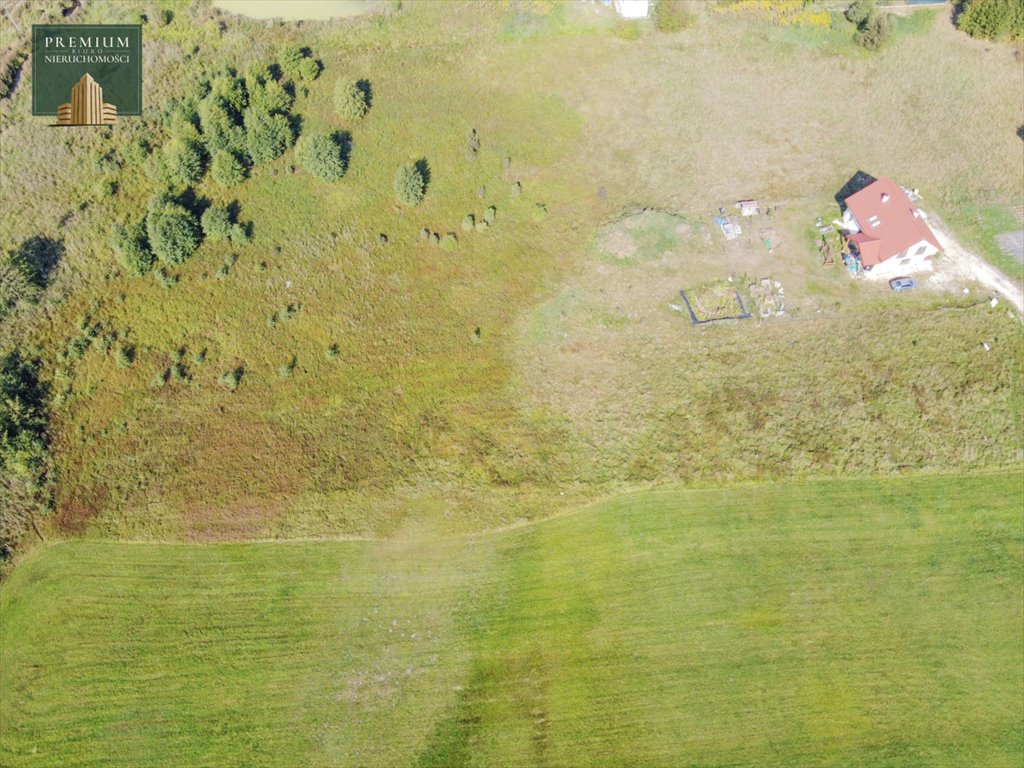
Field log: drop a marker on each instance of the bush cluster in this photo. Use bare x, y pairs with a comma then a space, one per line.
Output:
873, 26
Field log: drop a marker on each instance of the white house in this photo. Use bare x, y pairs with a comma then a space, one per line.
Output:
882, 224
633, 9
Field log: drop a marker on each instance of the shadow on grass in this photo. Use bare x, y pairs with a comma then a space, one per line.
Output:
856, 183
37, 258
424, 170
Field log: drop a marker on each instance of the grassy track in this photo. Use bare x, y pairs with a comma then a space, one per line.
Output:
825, 623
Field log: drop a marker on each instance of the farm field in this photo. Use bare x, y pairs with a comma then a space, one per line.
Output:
834, 622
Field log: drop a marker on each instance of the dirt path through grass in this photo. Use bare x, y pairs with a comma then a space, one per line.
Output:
961, 263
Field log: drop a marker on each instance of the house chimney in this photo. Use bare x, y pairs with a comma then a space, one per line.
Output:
885, 197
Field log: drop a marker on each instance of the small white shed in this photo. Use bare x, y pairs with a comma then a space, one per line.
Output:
633, 9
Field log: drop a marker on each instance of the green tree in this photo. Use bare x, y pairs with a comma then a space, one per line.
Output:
267, 135
221, 130
229, 91
410, 185
173, 233
131, 245
309, 69
991, 19
298, 63
323, 155
226, 169
184, 159
289, 57
351, 99
269, 96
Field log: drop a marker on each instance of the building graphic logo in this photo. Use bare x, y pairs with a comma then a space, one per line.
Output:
99, 65
86, 106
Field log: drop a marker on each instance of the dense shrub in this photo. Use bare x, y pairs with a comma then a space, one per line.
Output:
173, 232
351, 99
239, 234
298, 63
875, 31
216, 223
23, 449
226, 169
267, 135
23, 422
10, 69
991, 19
860, 11
131, 245
873, 27
410, 185
184, 159
468, 222
323, 155
671, 16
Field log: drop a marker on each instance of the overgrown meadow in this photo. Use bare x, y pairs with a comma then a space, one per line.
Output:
313, 356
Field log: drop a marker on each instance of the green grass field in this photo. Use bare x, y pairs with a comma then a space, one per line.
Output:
840, 623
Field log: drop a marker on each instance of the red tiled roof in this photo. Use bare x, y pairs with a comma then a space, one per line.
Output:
887, 221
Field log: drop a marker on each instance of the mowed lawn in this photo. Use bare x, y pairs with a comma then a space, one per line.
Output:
825, 623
